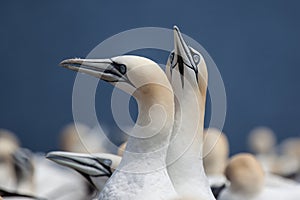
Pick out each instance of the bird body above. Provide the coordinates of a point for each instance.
(54, 182)
(8, 145)
(247, 181)
(215, 157)
(142, 173)
(290, 193)
(186, 70)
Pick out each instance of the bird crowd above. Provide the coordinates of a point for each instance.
(168, 154)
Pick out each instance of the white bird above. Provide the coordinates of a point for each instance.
(9, 143)
(142, 173)
(54, 182)
(262, 141)
(288, 163)
(187, 72)
(29, 175)
(24, 171)
(247, 181)
(215, 157)
(96, 168)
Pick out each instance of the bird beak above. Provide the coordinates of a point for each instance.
(99, 68)
(86, 164)
(181, 49)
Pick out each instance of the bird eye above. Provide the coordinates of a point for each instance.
(107, 162)
(122, 69)
(196, 58)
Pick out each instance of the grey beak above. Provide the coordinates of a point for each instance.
(181, 48)
(99, 68)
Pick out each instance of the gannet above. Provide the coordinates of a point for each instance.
(24, 171)
(262, 141)
(55, 182)
(288, 163)
(215, 157)
(187, 72)
(142, 173)
(96, 168)
(9, 143)
(247, 181)
(24, 174)
(24, 184)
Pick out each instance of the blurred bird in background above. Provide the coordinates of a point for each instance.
(215, 158)
(262, 143)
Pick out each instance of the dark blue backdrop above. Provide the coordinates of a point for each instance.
(254, 43)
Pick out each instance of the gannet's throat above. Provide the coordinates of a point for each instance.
(155, 117)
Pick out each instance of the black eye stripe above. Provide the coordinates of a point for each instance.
(120, 67)
(171, 57)
(180, 63)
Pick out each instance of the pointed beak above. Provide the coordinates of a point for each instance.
(86, 164)
(104, 69)
(181, 49)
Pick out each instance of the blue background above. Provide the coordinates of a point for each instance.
(255, 45)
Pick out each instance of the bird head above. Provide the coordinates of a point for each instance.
(186, 65)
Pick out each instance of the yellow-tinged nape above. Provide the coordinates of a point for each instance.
(122, 148)
(215, 151)
(138, 76)
(245, 174)
(152, 91)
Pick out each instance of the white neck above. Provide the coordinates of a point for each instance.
(185, 164)
(148, 143)
(144, 161)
